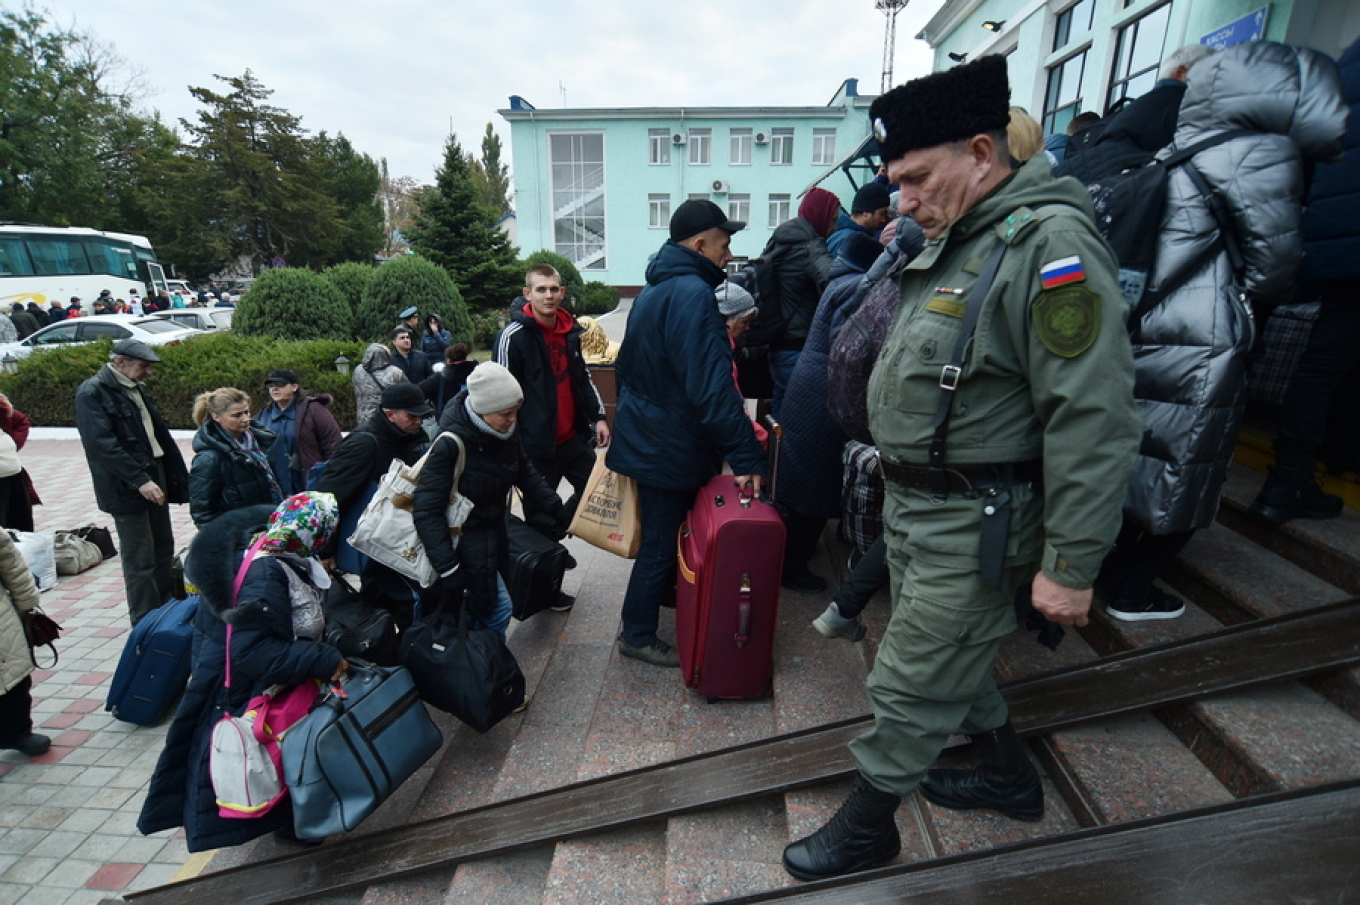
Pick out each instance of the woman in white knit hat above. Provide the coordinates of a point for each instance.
(484, 416)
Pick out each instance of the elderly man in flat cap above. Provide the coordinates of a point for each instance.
(136, 469)
(1002, 404)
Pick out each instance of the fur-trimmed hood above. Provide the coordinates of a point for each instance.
(215, 554)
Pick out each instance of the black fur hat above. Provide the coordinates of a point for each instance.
(942, 107)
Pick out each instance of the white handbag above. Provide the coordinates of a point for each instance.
(387, 530)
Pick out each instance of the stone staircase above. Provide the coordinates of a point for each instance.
(594, 714)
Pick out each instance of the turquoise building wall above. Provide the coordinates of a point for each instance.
(630, 178)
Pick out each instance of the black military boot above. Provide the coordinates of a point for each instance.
(1289, 494)
(1006, 781)
(862, 835)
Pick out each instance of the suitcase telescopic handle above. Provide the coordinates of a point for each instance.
(743, 611)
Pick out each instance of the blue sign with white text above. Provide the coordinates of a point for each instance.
(1251, 27)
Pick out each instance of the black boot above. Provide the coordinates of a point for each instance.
(1290, 494)
(862, 835)
(1006, 781)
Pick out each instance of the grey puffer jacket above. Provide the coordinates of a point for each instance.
(1190, 344)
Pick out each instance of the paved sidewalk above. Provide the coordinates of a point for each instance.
(68, 819)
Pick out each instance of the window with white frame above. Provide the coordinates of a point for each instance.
(742, 140)
(700, 146)
(659, 147)
(1073, 22)
(658, 211)
(1066, 80)
(781, 146)
(1138, 55)
(576, 166)
(823, 147)
(739, 208)
(779, 209)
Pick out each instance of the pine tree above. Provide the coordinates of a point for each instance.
(492, 176)
(455, 230)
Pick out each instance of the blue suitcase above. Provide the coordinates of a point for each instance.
(154, 667)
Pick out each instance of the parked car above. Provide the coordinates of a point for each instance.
(151, 330)
(209, 319)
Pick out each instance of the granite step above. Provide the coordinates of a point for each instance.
(1262, 739)
(1235, 579)
(1329, 548)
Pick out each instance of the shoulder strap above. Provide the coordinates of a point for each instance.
(950, 374)
(246, 560)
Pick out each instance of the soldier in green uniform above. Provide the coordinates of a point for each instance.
(1007, 428)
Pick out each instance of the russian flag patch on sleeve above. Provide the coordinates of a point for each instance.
(1061, 272)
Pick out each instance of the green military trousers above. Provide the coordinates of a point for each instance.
(933, 675)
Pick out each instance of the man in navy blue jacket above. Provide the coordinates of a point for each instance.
(678, 413)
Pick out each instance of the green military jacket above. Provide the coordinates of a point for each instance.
(1049, 372)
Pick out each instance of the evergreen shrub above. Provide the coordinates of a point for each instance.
(595, 299)
(292, 303)
(351, 279)
(405, 281)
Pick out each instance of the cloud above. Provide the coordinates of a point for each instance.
(395, 77)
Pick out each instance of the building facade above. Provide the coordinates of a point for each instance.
(1070, 56)
(598, 185)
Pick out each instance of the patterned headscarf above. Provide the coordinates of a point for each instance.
(302, 524)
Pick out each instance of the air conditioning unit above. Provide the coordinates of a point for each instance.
(720, 186)
(679, 138)
(762, 138)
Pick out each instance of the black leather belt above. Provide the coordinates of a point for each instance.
(962, 478)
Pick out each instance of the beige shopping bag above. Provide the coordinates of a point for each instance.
(607, 516)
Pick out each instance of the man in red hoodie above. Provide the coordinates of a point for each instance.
(562, 411)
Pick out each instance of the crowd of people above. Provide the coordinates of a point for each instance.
(1034, 437)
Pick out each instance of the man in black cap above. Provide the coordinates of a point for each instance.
(136, 469)
(393, 432)
(1002, 403)
(869, 213)
(677, 415)
(24, 321)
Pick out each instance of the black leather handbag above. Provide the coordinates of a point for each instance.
(467, 672)
(358, 629)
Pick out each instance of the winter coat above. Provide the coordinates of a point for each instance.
(493, 466)
(264, 652)
(434, 344)
(1191, 344)
(845, 225)
(359, 462)
(522, 349)
(117, 448)
(1331, 227)
(677, 415)
(24, 323)
(18, 594)
(440, 388)
(375, 374)
(803, 267)
(1131, 138)
(810, 452)
(222, 477)
(318, 434)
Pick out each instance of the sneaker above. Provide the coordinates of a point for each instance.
(30, 745)
(1294, 494)
(564, 603)
(1140, 607)
(804, 581)
(658, 653)
(832, 624)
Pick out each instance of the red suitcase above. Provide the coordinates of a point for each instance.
(727, 597)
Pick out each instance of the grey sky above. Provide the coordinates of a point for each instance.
(394, 77)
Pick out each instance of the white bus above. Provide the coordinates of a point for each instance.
(46, 263)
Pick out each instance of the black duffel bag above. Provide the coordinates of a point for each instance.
(468, 672)
(358, 629)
